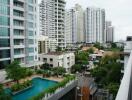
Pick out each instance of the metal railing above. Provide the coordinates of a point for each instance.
(125, 90)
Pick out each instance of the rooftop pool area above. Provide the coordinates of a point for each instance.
(39, 85)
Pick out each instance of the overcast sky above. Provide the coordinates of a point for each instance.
(117, 11)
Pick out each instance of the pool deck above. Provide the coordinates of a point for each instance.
(58, 79)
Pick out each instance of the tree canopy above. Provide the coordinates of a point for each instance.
(15, 71)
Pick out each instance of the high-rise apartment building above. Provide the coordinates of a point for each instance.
(109, 32)
(79, 22)
(52, 13)
(70, 27)
(94, 25)
(18, 32)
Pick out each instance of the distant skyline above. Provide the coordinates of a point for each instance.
(117, 11)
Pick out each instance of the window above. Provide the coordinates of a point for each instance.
(30, 1)
(4, 2)
(30, 50)
(4, 53)
(18, 32)
(4, 42)
(4, 63)
(4, 10)
(30, 8)
(51, 59)
(30, 58)
(44, 59)
(18, 13)
(30, 25)
(31, 41)
(18, 51)
(30, 33)
(4, 31)
(30, 16)
(4, 20)
(18, 23)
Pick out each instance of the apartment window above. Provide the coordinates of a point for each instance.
(51, 65)
(4, 2)
(4, 53)
(30, 25)
(30, 50)
(30, 58)
(51, 59)
(18, 32)
(4, 42)
(18, 51)
(4, 20)
(30, 1)
(30, 16)
(18, 42)
(30, 8)
(31, 41)
(30, 33)
(44, 59)
(4, 31)
(18, 23)
(18, 13)
(4, 10)
(4, 63)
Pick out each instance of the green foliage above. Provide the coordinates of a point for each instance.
(58, 49)
(15, 71)
(81, 56)
(90, 51)
(39, 71)
(46, 66)
(113, 45)
(21, 86)
(29, 72)
(75, 68)
(108, 73)
(3, 95)
(113, 88)
(54, 88)
(59, 71)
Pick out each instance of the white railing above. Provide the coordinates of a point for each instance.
(126, 81)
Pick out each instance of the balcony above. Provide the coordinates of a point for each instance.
(125, 90)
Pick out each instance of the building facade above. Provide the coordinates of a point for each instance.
(46, 45)
(94, 19)
(55, 59)
(79, 23)
(70, 27)
(109, 32)
(52, 13)
(18, 31)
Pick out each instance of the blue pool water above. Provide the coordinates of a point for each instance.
(39, 85)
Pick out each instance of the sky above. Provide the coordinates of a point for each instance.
(117, 11)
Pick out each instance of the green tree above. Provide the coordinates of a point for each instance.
(46, 66)
(76, 68)
(15, 71)
(113, 45)
(59, 70)
(97, 45)
(91, 50)
(58, 49)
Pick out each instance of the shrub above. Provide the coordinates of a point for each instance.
(18, 87)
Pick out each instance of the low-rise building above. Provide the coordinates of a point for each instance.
(46, 44)
(59, 59)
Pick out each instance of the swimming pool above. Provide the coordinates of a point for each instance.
(39, 85)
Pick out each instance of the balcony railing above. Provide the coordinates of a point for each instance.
(125, 90)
